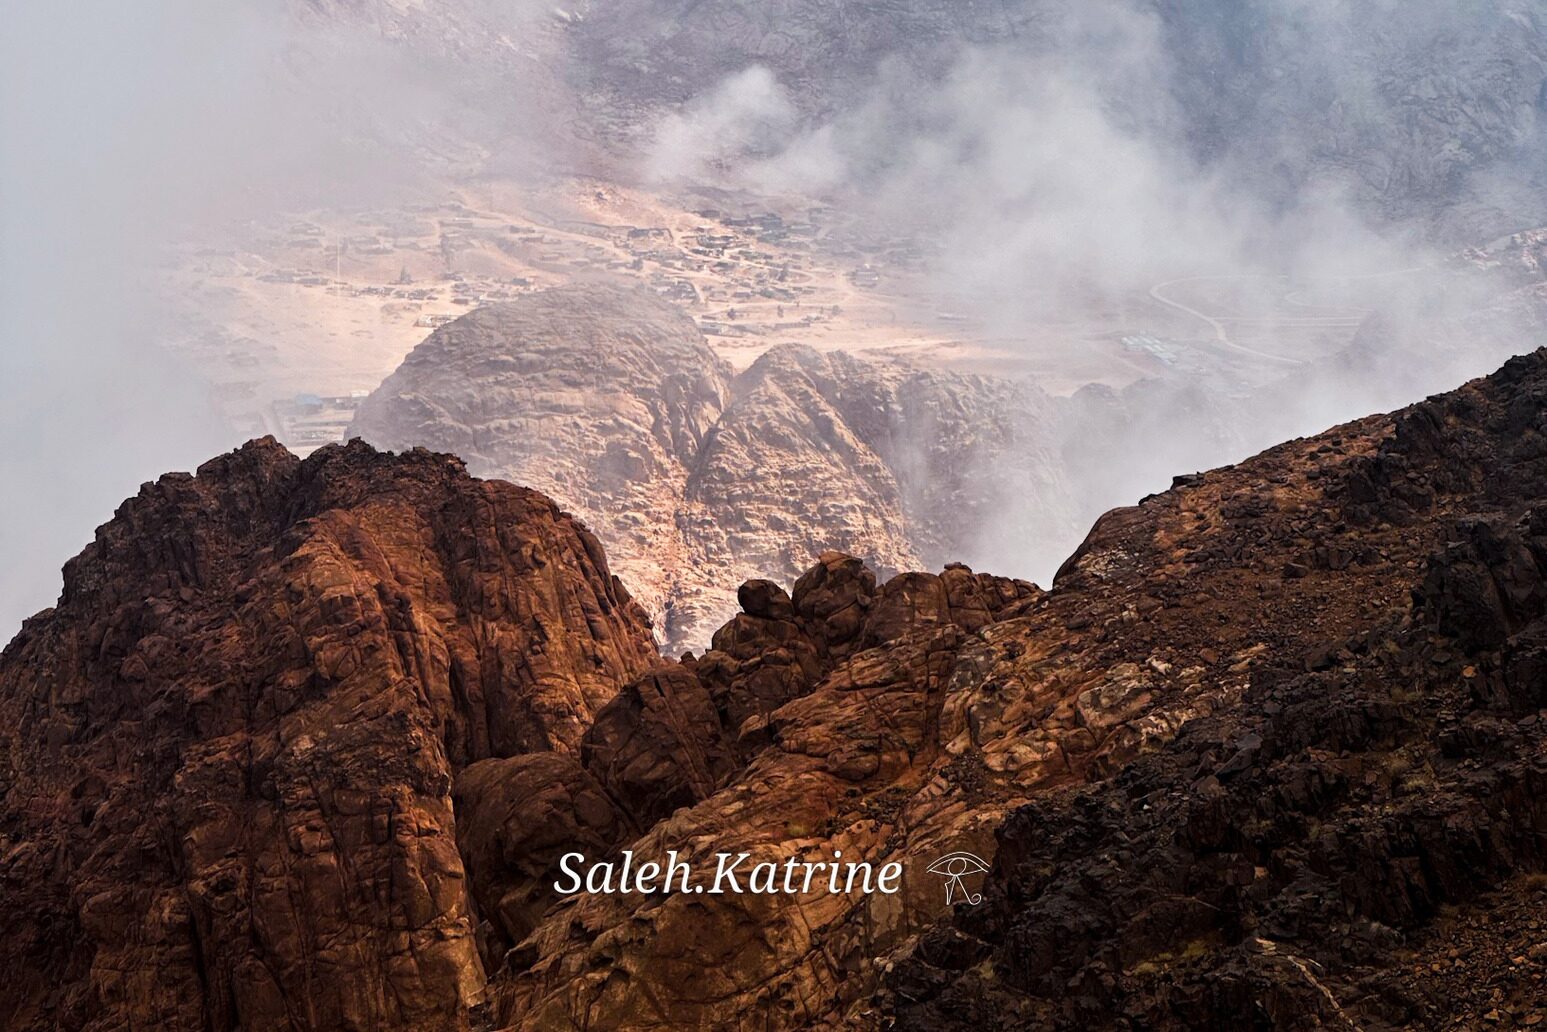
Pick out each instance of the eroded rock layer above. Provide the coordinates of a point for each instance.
(303, 743)
(228, 753)
(698, 479)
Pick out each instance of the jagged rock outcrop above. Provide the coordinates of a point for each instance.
(660, 744)
(303, 742)
(696, 480)
(227, 754)
(835, 754)
(1321, 802)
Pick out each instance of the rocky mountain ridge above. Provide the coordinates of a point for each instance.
(230, 746)
(698, 478)
(306, 739)
(1354, 842)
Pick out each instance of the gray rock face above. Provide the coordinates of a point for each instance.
(1409, 109)
(1416, 111)
(695, 479)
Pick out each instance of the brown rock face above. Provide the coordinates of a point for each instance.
(678, 755)
(516, 817)
(659, 744)
(304, 742)
(828, 703)
(1287, 722)
(696, 479)
(229, 751)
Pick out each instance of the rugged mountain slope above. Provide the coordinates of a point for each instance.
(784, 475)
(303, 742)
(830, 712)
(696, 479)
(1351, 836)
(1267, 729)
(1414, 110)
(228, 752)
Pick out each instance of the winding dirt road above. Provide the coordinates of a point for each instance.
(1220, 333)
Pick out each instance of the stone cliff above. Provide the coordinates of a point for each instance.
(228, 752)
(302, 744)
(1320, 801)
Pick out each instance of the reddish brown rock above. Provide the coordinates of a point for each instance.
(840, 753)
(516, 817)
(761, 659)
(229, 751)
(832, 599)
(659, 744)
(304, 742)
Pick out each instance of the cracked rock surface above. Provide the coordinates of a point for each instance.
(229, 751)
(302, 743)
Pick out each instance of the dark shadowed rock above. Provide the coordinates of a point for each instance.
(516, 818)
(659, 744)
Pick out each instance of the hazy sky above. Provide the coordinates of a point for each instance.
(125, 128)
(113, 117)
(1073, 171)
